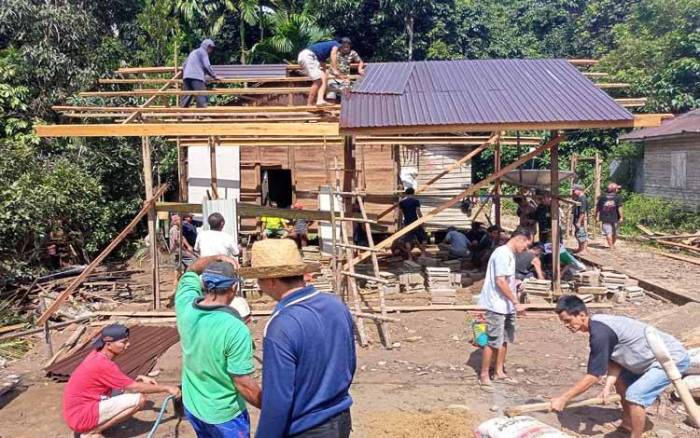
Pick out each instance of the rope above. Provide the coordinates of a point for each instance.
(152, 433)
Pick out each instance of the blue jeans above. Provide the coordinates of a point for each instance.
(644, 389)
(239, 427)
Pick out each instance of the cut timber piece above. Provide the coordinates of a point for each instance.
(73, 286)
(365, 277)
(180, 129)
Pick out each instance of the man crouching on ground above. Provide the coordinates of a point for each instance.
(619, 349)
(87, 406)
(217, 350)
(308, 349)
(498, 297)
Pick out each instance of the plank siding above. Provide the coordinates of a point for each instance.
(430, 161)
(660, 157)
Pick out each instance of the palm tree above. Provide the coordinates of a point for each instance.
(290, 34)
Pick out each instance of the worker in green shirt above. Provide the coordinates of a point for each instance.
(217, 350)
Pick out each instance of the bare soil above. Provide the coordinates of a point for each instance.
(425, 388)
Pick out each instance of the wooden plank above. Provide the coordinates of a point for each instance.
(609, 85)
(73, 286)
(210, 92)
(249, 210)
(584, 62)
(554, 212)
(241, 80)
(211, 109)
(203, 129)
(475, 308)
(468, 192)
(152, 98)
(41, 329)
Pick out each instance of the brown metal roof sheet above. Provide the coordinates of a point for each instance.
(688, 123)
(476, 92)
(235, 71)
(146, 344)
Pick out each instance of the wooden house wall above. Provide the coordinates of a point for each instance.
(663, 163)
(312, 167)
(430, 161)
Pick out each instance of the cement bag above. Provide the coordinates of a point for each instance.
(517, 427)
(409, 177)
(694, 369)
(693, 384)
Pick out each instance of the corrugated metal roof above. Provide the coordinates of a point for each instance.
(146, 344)
(685, 123)
(234, 71)
(476, 92)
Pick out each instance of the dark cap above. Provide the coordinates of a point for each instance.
(219, 276)
(345, 40)
(111, 333)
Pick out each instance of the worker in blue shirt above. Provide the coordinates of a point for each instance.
(194, 72)
(308, 349)
(310, 60)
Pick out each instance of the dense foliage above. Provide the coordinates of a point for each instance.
(90, 188)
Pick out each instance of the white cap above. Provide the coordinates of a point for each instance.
(240, 305)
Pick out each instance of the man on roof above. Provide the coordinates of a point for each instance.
(194, 72)
(345, 57)
(310, 60)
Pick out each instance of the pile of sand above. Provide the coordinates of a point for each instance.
(396, 424)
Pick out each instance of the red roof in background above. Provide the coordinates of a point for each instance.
(476, 92)
(683, 124)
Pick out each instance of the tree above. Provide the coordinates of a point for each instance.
(290, 34)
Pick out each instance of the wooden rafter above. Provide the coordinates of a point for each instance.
(153, 97)
(241, 80)
(210, 92)
(211, 109)
(319, 129)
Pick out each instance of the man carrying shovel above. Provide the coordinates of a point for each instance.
(619, 349)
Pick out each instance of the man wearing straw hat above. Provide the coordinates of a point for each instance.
(308, 349)
(217, 350)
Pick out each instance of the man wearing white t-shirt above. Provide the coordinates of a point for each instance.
(498, 297)
(214, 241)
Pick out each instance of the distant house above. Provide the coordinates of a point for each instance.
(672, 158)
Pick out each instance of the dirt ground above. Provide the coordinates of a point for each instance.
(427, 387)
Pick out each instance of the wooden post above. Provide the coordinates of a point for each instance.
(182, 171)
(152, 218)
(348, 175)
(212, 168)
(596, 191)
(47, 333)
(554, 210)
(497, 183)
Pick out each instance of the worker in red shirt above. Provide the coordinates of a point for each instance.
(88, 405)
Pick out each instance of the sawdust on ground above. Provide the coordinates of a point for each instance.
(397, 424)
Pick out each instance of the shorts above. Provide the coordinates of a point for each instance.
(309, 64)
(113, 406)
(610, 229)
(238, 427)
(417, 234)
(645, 389)
(581, 234)
(500, 328)
(276, 233)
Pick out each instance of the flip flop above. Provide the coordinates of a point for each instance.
(486, 386)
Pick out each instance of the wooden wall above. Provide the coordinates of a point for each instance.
(672, 169)
(312, 167)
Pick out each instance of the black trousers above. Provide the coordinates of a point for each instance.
(193, 85)
(338, 426)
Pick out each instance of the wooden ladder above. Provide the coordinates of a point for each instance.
(349, 274)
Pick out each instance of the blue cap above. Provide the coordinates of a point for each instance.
(111, 333)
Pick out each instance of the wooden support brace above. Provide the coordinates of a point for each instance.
(456, 199)
(73, 286)
(152, 98)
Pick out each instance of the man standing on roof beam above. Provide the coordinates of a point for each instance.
(310, 60)
(196, 66)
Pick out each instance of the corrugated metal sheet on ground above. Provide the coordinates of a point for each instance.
(685, 123)
(234, 71)
(476, 92)
(534, 177)
(146, 345)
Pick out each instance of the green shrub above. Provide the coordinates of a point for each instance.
(658, 214)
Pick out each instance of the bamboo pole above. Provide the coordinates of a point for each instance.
(554, 211)
(497, 184)
(212, 168)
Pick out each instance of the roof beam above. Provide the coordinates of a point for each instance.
(211, 109)
(583, 62)
(609, 85)
(211, 92)
(241, 80)
(319, 129)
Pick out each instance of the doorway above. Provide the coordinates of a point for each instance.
(276, 186)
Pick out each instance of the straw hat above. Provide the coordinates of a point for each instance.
(274, 258)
